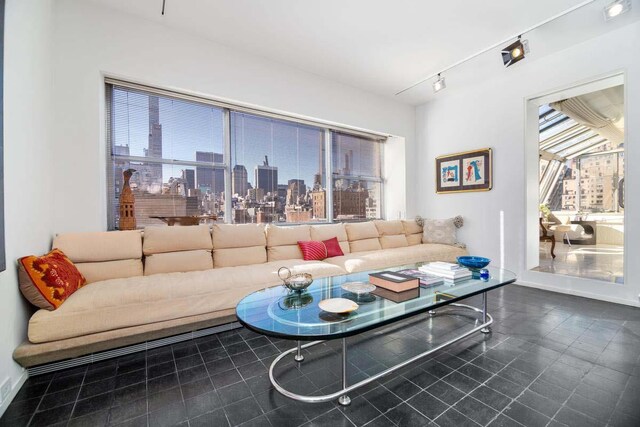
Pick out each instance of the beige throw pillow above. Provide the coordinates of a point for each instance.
(441, 231)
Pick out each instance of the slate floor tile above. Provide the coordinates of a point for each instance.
(242, 411)
(405, 415)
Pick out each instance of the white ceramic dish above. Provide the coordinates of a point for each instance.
(338, 305)
(359, 288)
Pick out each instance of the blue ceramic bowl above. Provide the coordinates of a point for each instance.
(473, 263)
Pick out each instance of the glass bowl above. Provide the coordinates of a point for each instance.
(473, 263)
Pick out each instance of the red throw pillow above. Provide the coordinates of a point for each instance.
(47, 281)
(333, 247)
(312, 250)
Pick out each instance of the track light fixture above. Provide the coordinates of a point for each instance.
(515, 52)
(439, 84)
(616, 8)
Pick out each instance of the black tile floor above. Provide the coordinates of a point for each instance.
(551, 360)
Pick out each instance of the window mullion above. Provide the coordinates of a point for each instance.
(328, 175)
(226, 135)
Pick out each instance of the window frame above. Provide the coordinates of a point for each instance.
(227, 108)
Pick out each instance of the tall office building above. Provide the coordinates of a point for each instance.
(150, 174)
(189, 176)
(208, 177)
(266, 177)
(239, 180)
(295, 189)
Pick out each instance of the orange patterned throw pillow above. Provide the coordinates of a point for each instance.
(47, 281)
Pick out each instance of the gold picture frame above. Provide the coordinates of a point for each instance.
(467, 171)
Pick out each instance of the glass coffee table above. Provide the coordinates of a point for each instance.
(278, 312)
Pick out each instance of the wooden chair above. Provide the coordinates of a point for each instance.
(546, 237)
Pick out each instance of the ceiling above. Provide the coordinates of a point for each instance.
(379, 46)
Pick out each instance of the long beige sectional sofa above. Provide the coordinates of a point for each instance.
(171, 280)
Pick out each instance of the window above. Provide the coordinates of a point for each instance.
(278, 170)
(175, 149)
(188, 156)
(357, 177)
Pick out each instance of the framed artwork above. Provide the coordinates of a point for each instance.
(466, 171)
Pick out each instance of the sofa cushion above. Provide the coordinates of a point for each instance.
(326, 232)
(282, 242)
(362, 261)
(439, 231)
(106, 270)
(361, 231)
(312, 250)
(123, 303)
(393, 241)
(161, 239)
(411, 227)
(233, 257)
(100, 246)
(414, 239)
(238, 244)
(363, 245)
(173, 262)
(49, 280)
(389, 228)
(333, 247)
(226, 236)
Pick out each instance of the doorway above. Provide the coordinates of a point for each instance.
(581, 167)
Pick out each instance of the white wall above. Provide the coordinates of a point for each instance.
(491, 113)
(28, 165)
(92, 41)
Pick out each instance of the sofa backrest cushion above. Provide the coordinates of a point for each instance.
(106, 270)
(328, 231)
(100, 246)
(181, 261)
(238, 244)
(391, 234)
(103, 255)
(363, 236)
(389, 228)
(162, 239)
(413, 231)
(282, 242)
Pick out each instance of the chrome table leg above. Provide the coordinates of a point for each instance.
(341, 394)
(344, 399)
(299, 357)
(486, 329)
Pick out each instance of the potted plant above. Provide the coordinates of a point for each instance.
(545, 212)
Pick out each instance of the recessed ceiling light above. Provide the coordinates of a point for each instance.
(616, 8)
(514, 52)
(439, 84)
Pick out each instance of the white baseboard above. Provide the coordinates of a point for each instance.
(14, 390)
(579, 293)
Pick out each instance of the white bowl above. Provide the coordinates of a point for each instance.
(338, 305)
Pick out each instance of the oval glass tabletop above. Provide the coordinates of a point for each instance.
(278, 312)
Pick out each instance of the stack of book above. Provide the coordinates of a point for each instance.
(426, 279)
(452, 273)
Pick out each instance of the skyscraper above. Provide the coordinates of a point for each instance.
(295, 189)
(208, 177)
(266, 177)
(190, 178)
(239, 180)
(150, 174)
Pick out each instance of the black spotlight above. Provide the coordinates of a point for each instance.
(515, 52)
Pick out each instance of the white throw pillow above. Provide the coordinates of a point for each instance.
(441, 231)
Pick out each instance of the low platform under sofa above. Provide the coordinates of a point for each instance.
(143, 286)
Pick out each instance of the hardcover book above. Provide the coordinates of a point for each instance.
(397, 296)
(394, 281)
